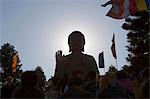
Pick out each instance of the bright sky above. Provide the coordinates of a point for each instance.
(38, 28)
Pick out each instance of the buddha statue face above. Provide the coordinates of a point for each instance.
(76, 42)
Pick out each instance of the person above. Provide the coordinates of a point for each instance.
(51, 90)
(109, 88)
(8, 88)
(75, 89)
(76, 59)
(142, 88)
(28, 87)
(63, 83)
(123, 81)
(90, 84)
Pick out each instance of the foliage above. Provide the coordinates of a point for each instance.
(41, 77)
(7, 52)
(112, 69)
(138, 40)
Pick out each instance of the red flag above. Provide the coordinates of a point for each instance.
(113, 49)
(118, 11)
(14, 62)
(123, 8)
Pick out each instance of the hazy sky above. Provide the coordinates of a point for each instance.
(38, 28)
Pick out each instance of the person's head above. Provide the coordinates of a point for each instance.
(9, 80)
(77, 77)
(121, 75)
(107, 80)
(76, 41)
(111, 77)
(29, 78)
(78, 73)
(103, 83)
(143, 75)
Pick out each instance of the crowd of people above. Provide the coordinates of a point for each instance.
(116, 84)
(76, 76)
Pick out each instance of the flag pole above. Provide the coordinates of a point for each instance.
(104, 70)
(116, 64)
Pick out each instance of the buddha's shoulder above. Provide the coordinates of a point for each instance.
(85, 56)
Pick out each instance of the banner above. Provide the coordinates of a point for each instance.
(101, 60)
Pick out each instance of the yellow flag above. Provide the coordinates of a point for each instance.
(14, 62)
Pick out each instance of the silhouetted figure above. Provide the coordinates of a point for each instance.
(75, 89)
(8, 88)
(142, 90)
(90, 84)
(123, 81)
(109, 88)
(28, 87)
(63, 83)
(76, 59)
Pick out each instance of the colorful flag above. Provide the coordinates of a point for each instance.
(14, 62)
(123, 8)
(113, 48)
(101, 60)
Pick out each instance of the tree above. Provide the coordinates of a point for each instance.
(41, 78)
(138, 39)
(7, 53)
(112, 69)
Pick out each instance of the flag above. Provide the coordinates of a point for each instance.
(113, 49)
(14, 62)
(123, 8)
(101, 60)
